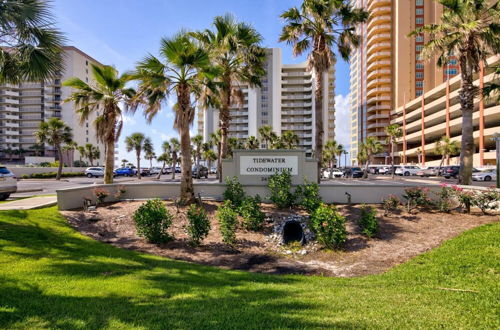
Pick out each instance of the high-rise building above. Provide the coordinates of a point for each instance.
(24, 106)
(285, 101)
(387, 70)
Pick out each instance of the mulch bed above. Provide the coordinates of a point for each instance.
(401, 237)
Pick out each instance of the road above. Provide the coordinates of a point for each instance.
(33, 187)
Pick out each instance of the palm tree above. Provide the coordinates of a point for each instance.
(209, 156)
(215, 139)
(233, 144)
(317, 27)
(81, 154)
(149, 152)
(252, 143)
(446, 148)
(69, 148)
(234, 48)
(419, 155)
(124, 162)
(55, 133)
(362, 156)
(175, 147)
(30, 45)
(198, 143)
(165, 158)
(267, 135)
(394, 132)
(38, 148)
(371, 147)
(339, 150)
(136, 142)
(92, 153)
(103, 98)
(329, 154)
(468, 30)
(290, 139)
(184, 70)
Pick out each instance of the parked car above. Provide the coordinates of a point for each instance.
(125, 171)
(213, 170)
(167, 170)
(357, 172)
(94, 172)
(178, 169)
(429, 171)
(486, 175)
(200, 171)
(145, 172)
(407, 170)
(154, 170)
(334, 173)
(450, 172)
(8, 183)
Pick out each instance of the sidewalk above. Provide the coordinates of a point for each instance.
(29, 203)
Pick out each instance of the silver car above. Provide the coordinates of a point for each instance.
(94, 172)
(8, 183)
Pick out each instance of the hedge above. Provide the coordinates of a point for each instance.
(50, 175)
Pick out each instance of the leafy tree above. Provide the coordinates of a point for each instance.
(446, 148)
(30, 44)
(394, 132)
(252, 143)
(316, 27)
(210, 157)
(136, 142)
(55, 133)
(267, 135)
(470, 31)
(330, 154)
(102, 97)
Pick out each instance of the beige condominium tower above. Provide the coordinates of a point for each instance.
(285, 101)
(24, 106)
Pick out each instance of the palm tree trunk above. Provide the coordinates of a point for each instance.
(138, 155)
(219, 163)
(466, 95)
(441, 164)
(60, 166)
(187, 189)
(392, 158)
(318, 109)
(110, 161)
(365, 174)
(174, 165)
(161, 171)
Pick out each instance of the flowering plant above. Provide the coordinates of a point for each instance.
(415, 197)
(100, 194)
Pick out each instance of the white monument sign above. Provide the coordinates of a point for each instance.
(268, 164)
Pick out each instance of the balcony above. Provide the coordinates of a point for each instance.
(29, 125)
(32, 94)
(37, 109)
(379, 73)
(372, 4)
(376, 134)
(30, 85)
(296, 89)
(11, 140)
(379, 99)
(379, 90)
(379, 107)
(9, 93)
(296, 97)
(8, 101)
(379, 29)
(295, 104)
(378, 20)
(378, 82)
(377, 38)
(239, 121)
(379, 55)
(378, 65)
(9, 117)
(296, 81)
(381, 45)
(296, 73)
(11, 124)
(29, 101)
(378, 125)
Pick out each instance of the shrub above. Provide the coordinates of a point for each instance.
(228, 220)
(391, 203)
(486, 200)
(199, 224)
(308, 196)
(253, 217)
(234, 191)
(329, 226)
(280, 185)
(415, 197)
(445, 197)
(152, 220)
(25, 176)
(368, 222)
(464, 198)
(120, 190)
(100, 194)
(49, 175)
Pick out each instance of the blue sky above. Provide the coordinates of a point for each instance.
(121, 32)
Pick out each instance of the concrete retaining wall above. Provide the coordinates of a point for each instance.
(330, 193)
(19, 171)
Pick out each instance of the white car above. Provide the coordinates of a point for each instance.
(335, 173)
(486, 175)
(407, 170)
(94, 172)
(154, 170)
(8, 183)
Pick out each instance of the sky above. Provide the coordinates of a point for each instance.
(121, 32)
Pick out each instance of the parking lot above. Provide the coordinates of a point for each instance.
(401, 180)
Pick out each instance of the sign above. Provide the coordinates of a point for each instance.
(268, 164)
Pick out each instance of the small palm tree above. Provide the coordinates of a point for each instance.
(149, 151)
(329, 154)
(81, 154)
(267, 135)
(446, 148)
(55, 133)
(233, 144)
(371, 147)
(92, 153)
(30, 44)
(252, 143)
(234, 48)
(124, 162)
(165, 158)
(136, 142)
(198, 143)
(290, 139)
(316, 27)
(210, 157)
(394, 132)
(184, 70)
(339, 150)
(175, 147)
(215, 139)
(103, 97)
(468, 30)
(69, 148)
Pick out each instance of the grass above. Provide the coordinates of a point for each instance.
(53, 277)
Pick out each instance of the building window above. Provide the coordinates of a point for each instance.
(264, 113)
(86, 124)
(419, 84)
(451, 72)
(419, 3)
(419, 65)
(419, 75)
(420, 20)
(264, 121)
(420, 38)
(419, 48)
(419, 93)
(419, 11)
(86, 62)
(264, 105)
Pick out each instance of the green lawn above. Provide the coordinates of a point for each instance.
(53, 277)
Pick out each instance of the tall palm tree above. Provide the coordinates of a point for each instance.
(267, 135)
(445, 147)
(469, 30)
(290, 139)
(371, 147)
(198, 143)
(339, 150)
(55, 133)
(329, 154)
(102, 97)
(165, 158)
(81, 154)
(136, 142)
(184, 69)
(316, 27)
(210, 157)
(252, 143)
(215, 139)
(149, 151)
(394, 132)
(234, 48)
(30, 44)
(92, 153)
(175, 147)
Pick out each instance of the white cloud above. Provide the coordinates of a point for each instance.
(342, 120)
(129, 120)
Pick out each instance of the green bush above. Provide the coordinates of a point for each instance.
(445, 198)
(391, 203)
(308, 196)
(25, 176)
(368, 222)
(253, 217)
(234, 191)
(280, 185)
(329, 226)
(50, 175)
(415, 197)
(228, 221)
(199, 224)
(152, 220)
